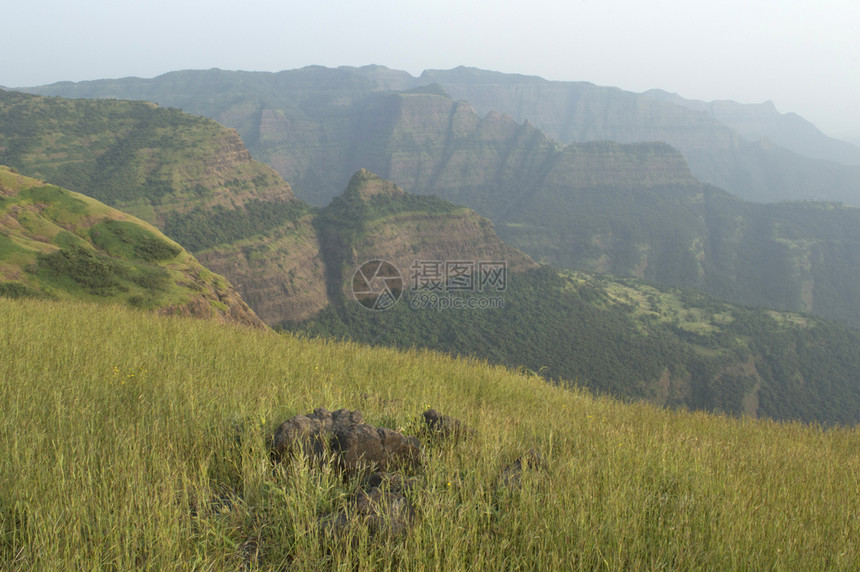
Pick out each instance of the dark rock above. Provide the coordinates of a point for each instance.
(364, 448)
(512, 475)
(311, 433)
(445, 427)
(357, 446)
(346, 417)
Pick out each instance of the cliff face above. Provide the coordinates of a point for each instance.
(376, 220)
(281, 275)
(407, 235)
(607, 164)
(721, 141)
(188, 176)
(316, 110)
(763, 121)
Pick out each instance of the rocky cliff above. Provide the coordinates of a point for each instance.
(187, 175)
(402, 229)
(628, 209)
(304, 123)
(721, 142)
(281, 275)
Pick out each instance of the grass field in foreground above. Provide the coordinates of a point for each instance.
(129, 441)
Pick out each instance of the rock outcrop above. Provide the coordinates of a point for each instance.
(357, 448)
(384, 462)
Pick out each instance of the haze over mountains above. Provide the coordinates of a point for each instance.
(630, 210)
(365, 318)
(373, 155)
(748, 150)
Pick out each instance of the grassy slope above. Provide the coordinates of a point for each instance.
(117, 428)
(55, 243)
(189, 176)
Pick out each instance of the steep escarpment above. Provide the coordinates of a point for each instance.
(294, 272)
(721, 144)
(375, 219)
(187, 175)
(281, 275)
(309, 110)
(628, 209)
(762, 121)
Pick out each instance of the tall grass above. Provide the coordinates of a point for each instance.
(129, 441)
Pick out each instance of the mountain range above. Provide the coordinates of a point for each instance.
(293, 263)
(559, 439)
(626, 209)
(751, 151)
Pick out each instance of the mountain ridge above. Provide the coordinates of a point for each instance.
(577, 206)
(695, 352)
(188, 175)
(758, 121)
(569, 112)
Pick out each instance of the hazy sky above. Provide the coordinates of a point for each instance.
(804, 56)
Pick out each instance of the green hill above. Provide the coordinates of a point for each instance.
(152, 162)
(189, 176)
(63, 245)
(630, 210)
(132, 441)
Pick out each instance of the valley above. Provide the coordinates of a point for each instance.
(353, 318)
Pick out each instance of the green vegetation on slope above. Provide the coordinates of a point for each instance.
(189, 176)
(130, 441)
(628, 339)
(200, 229)
(790, 256)
(629, 210)
(625, 338)
(59, 244)
(137, 157)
